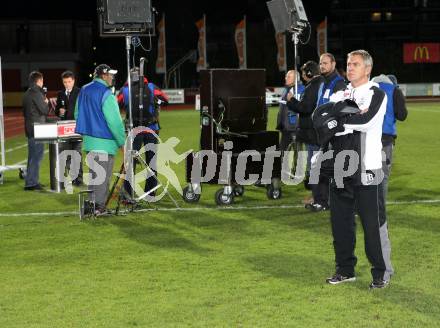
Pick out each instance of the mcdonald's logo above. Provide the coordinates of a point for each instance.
(421, 53)
(415, 53)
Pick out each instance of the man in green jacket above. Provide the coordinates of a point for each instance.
(99, 122)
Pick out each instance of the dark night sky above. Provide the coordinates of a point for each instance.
(180, 28)
(218, 11)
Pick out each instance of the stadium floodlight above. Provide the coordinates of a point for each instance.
(288, 15)
(125, 17)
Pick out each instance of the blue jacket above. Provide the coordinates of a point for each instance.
(286, 119)
(151, 108)
(91, 120)
(327, 89)
(389, 121)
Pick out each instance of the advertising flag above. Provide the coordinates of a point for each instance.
(321, 37)
(281, 55)
(201, 44)
(240, 42)
(161, 61)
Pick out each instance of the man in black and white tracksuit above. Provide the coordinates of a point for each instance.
(360, 192)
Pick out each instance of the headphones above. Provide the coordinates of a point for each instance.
(308, 73)
(309, 69)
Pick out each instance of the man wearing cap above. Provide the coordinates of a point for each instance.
(99, 122)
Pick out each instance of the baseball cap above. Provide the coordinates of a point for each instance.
(104, 69)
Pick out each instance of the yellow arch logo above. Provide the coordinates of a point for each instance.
(421, 53)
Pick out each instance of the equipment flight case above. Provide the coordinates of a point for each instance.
(233, 122)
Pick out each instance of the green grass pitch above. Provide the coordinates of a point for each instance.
(256, 264)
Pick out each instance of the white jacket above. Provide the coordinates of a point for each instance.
(369, 123)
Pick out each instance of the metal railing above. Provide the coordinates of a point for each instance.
(175, 69)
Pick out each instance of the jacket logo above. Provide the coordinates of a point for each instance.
(332, 124)
(421, 53)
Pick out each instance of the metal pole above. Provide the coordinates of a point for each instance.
(141, 90)
(130, 173)
(295, 47)
(128, 47)
(2, 126)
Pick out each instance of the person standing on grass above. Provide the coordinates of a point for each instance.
(396, 110)
(287, 120)
(65, 110)
(145, 113)
(99, 122)
(35, 110)
(361, 192)
(306, 133)
(333, 83)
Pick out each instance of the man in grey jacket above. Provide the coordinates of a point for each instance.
(35, 110)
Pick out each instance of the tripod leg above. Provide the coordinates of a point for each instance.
(154, 175)
(112, 189)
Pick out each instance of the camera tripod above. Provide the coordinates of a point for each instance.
(131, 201)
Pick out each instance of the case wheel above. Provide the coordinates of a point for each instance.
(189, 195)
(223, 199)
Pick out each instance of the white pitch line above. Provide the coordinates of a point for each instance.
(221, 208)
(15, 148)
(25, 160)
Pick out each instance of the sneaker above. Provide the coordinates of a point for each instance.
(315, 207)
(100, 211)
(77, 182)
(379, 283)
(128, 201)
(339, 278)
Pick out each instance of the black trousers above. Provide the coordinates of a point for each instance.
(77, 146)
(368, 202)
(287, 137)
(143, 139)
(320, 191)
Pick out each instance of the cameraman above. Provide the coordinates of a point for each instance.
(100, 124)
(306, 133)
(152, 97)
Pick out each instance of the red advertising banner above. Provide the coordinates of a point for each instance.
(421, 53)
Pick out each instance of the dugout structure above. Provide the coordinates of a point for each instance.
(233, 125)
